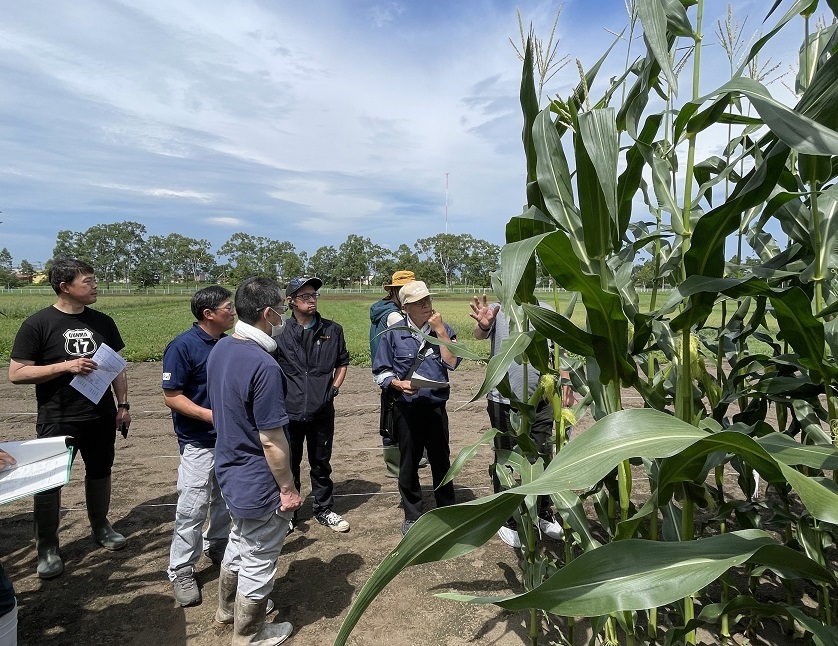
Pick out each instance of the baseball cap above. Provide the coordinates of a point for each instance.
(401, 278)
(296, 284)
(413, 291)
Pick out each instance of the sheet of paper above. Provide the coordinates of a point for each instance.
(94, 385)
(32, 474)
(418, 381)
(27, 451)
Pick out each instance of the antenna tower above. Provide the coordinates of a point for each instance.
(446, 202)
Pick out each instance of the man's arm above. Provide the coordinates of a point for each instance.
(120, 389)
(278, 454)
(180, 403)
(24, 371)
(340, 375)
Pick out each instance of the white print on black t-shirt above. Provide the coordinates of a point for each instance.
(79, 343)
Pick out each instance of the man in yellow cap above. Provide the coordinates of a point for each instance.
(383, 314)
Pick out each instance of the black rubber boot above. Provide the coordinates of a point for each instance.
(47, 506)
(391, 459)
(98, 496)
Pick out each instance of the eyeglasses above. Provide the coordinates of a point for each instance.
(278, 310)
(229, 307)
(307, 297)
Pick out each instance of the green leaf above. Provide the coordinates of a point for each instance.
(798, 131)
(597, 225)
(561, 330)
(604, 308)
(554, 175)
(793, 11)
(634, 575)
(569, 507)
(466, 453)
(440, 534)
(512, 346)
(629, 181)
(529, 106)
(457, 349)
(653, 18)
(788, 451)
(598, 132)
(626, 434)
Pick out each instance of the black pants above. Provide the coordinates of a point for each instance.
(94, 439)
(318, 436)
(385, 423)
(421, 427)
(541, 431)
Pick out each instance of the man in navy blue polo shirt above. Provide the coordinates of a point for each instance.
(185, 392)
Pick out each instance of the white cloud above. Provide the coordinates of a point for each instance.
(227, 222)
(307, 121)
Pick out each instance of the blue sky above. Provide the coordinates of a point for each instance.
(299, 121)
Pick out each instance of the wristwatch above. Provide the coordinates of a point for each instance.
(126, 406)
(335, 391)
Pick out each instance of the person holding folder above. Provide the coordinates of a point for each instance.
(403, 359)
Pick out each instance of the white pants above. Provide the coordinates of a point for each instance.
(254, 547)
(8, 628)
(198, 497)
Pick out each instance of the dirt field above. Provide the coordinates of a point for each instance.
(125, 597)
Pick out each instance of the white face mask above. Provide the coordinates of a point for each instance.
(276, 330)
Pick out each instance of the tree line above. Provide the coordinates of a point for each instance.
(122, 252)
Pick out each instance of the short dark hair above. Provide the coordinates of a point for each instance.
(254, 295)
(208, 298)
(65, 270)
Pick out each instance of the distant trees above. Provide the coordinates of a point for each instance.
(7, 274)
(26, 270)
(122, 252)
(323, 264)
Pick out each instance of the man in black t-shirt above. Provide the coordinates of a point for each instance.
(51, 347)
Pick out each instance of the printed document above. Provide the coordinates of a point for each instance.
(418, 381)
(94, 385)
(41, 465)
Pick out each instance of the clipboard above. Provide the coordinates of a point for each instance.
(42, 464)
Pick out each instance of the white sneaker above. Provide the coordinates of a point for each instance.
(333, 521)
(550, 527)
(509, 536)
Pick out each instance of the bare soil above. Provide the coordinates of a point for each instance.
(125, 597)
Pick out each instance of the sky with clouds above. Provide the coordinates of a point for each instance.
(299, 121)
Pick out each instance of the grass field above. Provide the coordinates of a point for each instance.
(149, 322)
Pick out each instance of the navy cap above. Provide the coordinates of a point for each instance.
(296, 284)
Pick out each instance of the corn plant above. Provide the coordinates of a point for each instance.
(639, 568)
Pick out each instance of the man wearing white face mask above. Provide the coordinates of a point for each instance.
(314, 358)
(246, 391)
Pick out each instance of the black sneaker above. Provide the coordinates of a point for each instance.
(216, 553)
(187, 592)
(333, 521)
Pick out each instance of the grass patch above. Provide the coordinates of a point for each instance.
(148, 322)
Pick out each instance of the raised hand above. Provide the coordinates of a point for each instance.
(482, 312)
